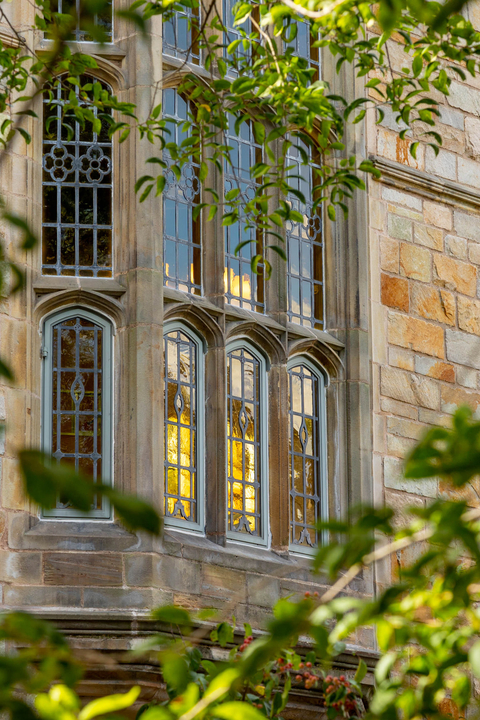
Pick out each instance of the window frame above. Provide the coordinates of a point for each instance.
(323, 382)
(263, 539)
(108, 329)
(197, 527)
(77, 28)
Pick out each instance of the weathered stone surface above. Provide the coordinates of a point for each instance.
(377, 214)
(262, 590)
(467, 377)
(394, 292)
(399, 227)
(399, 446)
(416, 334)
(468, 171)
(398, 408)
(452, 117)
(474, 252)
(435, 369)
(405, 428)
(401, 198)
(468, 315)
(144, 598)
(438, 215)
(20, 568)
(400, 358)
(443, 164)
(472, 137)
(389, 255)
(41, 596)
(415, 262)
(393, 478)
(178, 574)
(465, 98)
(434, 418)
(467, 226)
(223, 582)
(82, 569)
(409, 388)
(456, 246)
(463, 348)
(433, 304)
(428, 236)
(454, 397)
(455, 275)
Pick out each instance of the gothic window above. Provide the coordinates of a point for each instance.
(77, 192)
(246, 446)
(182, 250)
(77, 398)
(304, 244)
(306, 454)
(180, 35)
(102, 19)
(183, 429)
(243, 287)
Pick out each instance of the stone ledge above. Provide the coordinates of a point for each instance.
(429, 186)
(321, 335)
(46, 284)
(106, 50)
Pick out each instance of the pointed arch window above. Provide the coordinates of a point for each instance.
(77, 191)
(307, 454)
(77, 399)
(184, 442)
(247, 503)
(181, 230)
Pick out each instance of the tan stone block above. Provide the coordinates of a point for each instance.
(415, 262)
(472, 137)
(400, 358)
(433, 304)
(399, 446)
(443, 164)
(468, 377)
(435, 369)
(402, 503)
(429, 236)
(468, 315)
(399, 227)
(468, 172)
(13, 495)
(456, 246)
(398, 197)
(398, 408)
(394, 292)
(389, 255)
(405, 212)
(438, 215)
(14, 347)
(434, 418)
(405, 428)
(469, 493)
(453, 397)
(455, 275)
(416, 334)
(409, 388)
(474, 252)
(393, 477)
(377, 214)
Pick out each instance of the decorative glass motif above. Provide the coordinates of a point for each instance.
(180, 360)
(304, 456)
(243, 442)
(181, 233)
(304, 246)
(103, 19)
(180, 35)
(77, 193)
(77, 390)
(243, 287)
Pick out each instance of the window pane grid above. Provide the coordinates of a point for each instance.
(181, 233)
(77, 398)
(232, 33)
(179, 35)
(304, 457)
(303, 46)
(77, 195)
(243, 443)
(103, 19)
(180, 427)
(304, 248)
(243, 287)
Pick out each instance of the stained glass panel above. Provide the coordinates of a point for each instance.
(77, 194)
(305, 456)
(180, 362)
(243, 442)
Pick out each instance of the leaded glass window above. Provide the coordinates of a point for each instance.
(245, 474)
(77, 399)
(181, 232)
(235, 32)
(304, 244)
(102, 19)
(303, 46)
(182, 492)
(180, 35)
(77, 192)
(306, 461)
(243, 287)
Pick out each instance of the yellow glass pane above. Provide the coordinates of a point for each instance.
(237, 496)
(172, 481)
(185, 483)
(171, 393)
(250, 428)
(170, 505)
(185, 456)
(172, 440)
(237, 460)
(185, 416)
(299, 509)
(249, 463)
(236, 378)
(298, 473)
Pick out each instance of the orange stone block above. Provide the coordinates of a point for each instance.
(433, 304)
(456, 275)
(395, 292)
(416, 334)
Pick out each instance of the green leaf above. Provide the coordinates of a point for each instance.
(236, 710)
(172, 615)
(109, 704)
(5, 371)
(474, 659)
(361, 671)
(134, 512)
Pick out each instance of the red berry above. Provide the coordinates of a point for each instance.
(342, 678)
(307, 594)
(298, 678)
(308, 664)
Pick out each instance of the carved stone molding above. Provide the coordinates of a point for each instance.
(431, 187)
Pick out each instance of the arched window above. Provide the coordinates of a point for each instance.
(307, 453)
(77, 192)
(102, 19)
(247, 504)
(243, 287)
(304, 243)
(184, 441)
(181, 232)
(77, 398)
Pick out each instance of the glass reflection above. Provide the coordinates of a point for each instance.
(180, 358)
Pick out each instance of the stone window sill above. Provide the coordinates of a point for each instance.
(46, 284)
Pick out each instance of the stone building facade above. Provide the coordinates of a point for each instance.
(396, 349)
